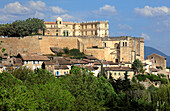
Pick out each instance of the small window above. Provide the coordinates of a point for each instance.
(56, 30)
(38, 62)
(56, 34)
(155, 61)
(92, 26)
(27, 62)
(119, 74)
(33, 62)
(65, 72)
(115, 74)
(123, 43)
(104, 44)
(60, 22)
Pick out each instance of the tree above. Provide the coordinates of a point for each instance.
(137, 66)
(20, 28)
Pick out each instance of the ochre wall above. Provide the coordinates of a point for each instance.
(33, 44)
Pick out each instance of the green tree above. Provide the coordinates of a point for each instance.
(137, 66)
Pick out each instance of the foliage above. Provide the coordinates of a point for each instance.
(137, 66)
(66, 50)
(20, 28)
(24, 89)
(73, 53)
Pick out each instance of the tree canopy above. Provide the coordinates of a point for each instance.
(24, 89)
(20, 28)
(137, 66)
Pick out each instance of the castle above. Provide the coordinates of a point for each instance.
(89, 29)
(116, 49)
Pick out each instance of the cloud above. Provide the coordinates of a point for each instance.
(65, 17)
(38, 5)
(106, 10)
(145, 36)
(15, 8)
(39, 15)
(124, 27)
(6, 18)
(58, 10)
(152, 11)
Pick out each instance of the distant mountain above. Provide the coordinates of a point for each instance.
(150, 50)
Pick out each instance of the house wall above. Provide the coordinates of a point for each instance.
(61, 71)
(120, 74)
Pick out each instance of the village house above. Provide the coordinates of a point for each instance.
(157, 61)
(31, 60)
(119, 72)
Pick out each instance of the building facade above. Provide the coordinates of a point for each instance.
(89, 29)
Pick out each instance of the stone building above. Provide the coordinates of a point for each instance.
(117, 49)
(90, 29)
(157, 61)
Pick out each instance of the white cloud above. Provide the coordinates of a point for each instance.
(39, 15)
(7, 18)
(152, 11)
(145, 36)
(58, 10)
(64, 17)
(15, 8)
(106, 10)
(38, 5)
(124, 27)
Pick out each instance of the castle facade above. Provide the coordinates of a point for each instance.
(69, 29)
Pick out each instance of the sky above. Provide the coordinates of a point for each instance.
(149, 19)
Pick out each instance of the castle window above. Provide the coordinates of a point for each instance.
(92, 26)
(115, 74)
(56, 34)
(119, 74)
(60, 22)
(155, 61)
(125, 43)
(105, 25)
(56, 30)
(104, 44)
(91, 32)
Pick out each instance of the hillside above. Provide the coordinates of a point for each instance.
(149, 50)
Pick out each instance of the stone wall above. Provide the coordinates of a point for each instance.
(109, 49)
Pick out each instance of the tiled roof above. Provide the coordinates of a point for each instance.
(90, 57)
(91, 68)
(49, 62)
(87, 60)
(61, 67)
(156, 55)
(62, 61)
(118, 69)
(33, 56)
(109, 62)
(49, 22)
(97, 63)
(77, 61)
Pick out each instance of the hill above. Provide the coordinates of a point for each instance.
(149, 50)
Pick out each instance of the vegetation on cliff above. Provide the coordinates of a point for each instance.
(20, 28)
(24, 89)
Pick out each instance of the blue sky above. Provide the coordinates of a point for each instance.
(138, 18)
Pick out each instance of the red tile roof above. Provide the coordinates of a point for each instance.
(33, 56)
(118, 69)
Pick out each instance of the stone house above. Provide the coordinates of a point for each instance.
(118, 72)
(158, 61)
(31, 60)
